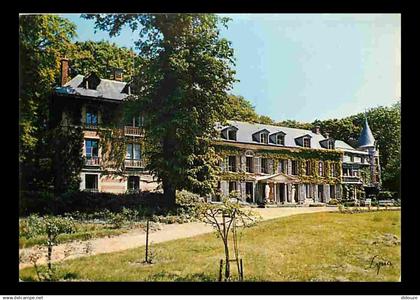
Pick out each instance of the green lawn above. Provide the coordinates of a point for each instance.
(308, 247)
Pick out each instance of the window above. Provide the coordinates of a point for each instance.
(232, 186)
(308, 191)
(321, 169)
(232, 135)
(281, 166)
(294, 167)
(306, 142)
(332, 191)
(264, 165)
(352, 158)
(330, 144)
(280, 139)
(332, 170)
(91, 182)
(249, 191)
(91, 117)
(133, 183)
(308, 168)
(91, 148)
(249, 164)
(232, 164)
(133, 152)
(136, 122)
(264, 138)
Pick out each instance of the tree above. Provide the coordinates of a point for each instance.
(225, 218)
(51, 228)
(43, 41)
(181, 89)
(102, 57)
(385, 123)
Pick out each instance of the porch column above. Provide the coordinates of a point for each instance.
(254, 191)
(274, 192)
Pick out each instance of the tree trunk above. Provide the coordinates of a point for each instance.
(146, 259)
(169, 193)
(227, 267)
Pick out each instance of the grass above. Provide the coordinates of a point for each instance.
(307, 247)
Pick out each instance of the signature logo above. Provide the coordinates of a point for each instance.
(378, 263)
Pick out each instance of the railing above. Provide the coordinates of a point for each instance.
(131, 163)
(134, 131)
(90, 125)
(352, 179)
(93, 161)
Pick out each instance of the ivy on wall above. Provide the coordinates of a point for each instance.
(283, 153)
(113, 143)
(302, 156)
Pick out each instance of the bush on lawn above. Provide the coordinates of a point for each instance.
(385, 195)
(333, 202)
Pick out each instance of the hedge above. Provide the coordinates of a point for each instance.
(88, 202)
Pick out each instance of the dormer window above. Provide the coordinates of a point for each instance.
(280, 139)
(307, 142)
(231, 135)
(264, 138)
(90, 82)
(330, 144)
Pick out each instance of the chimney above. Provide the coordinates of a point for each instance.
(316, 130)
(327, 135)
(64, 68)
(118, 74)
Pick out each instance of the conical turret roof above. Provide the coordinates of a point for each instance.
(366, 138)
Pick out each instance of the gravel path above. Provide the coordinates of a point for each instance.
(136, 237)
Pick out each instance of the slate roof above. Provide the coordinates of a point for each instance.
(341, 145)
(246, 130)
(107, 89)
(366, 138)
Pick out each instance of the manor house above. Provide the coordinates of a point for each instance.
(260, 162)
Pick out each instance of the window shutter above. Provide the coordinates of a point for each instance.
(136, 151)
(243, 190)
(224, 186)
(257, 161)
(129, 151)
(223, 165)
(289, 167)
(270, 166)
(238, 163)
(243, 163)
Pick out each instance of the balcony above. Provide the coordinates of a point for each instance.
(133, 131)
(92, 161)
(131, 163)
(90, 126)
(351, 179)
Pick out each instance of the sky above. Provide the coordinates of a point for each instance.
(305, 66)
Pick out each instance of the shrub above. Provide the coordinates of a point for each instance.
(187, 199)
(333, 202)
(384, 195)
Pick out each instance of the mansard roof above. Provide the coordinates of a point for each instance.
(106, 89)
(366, 138)
(247, 130)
